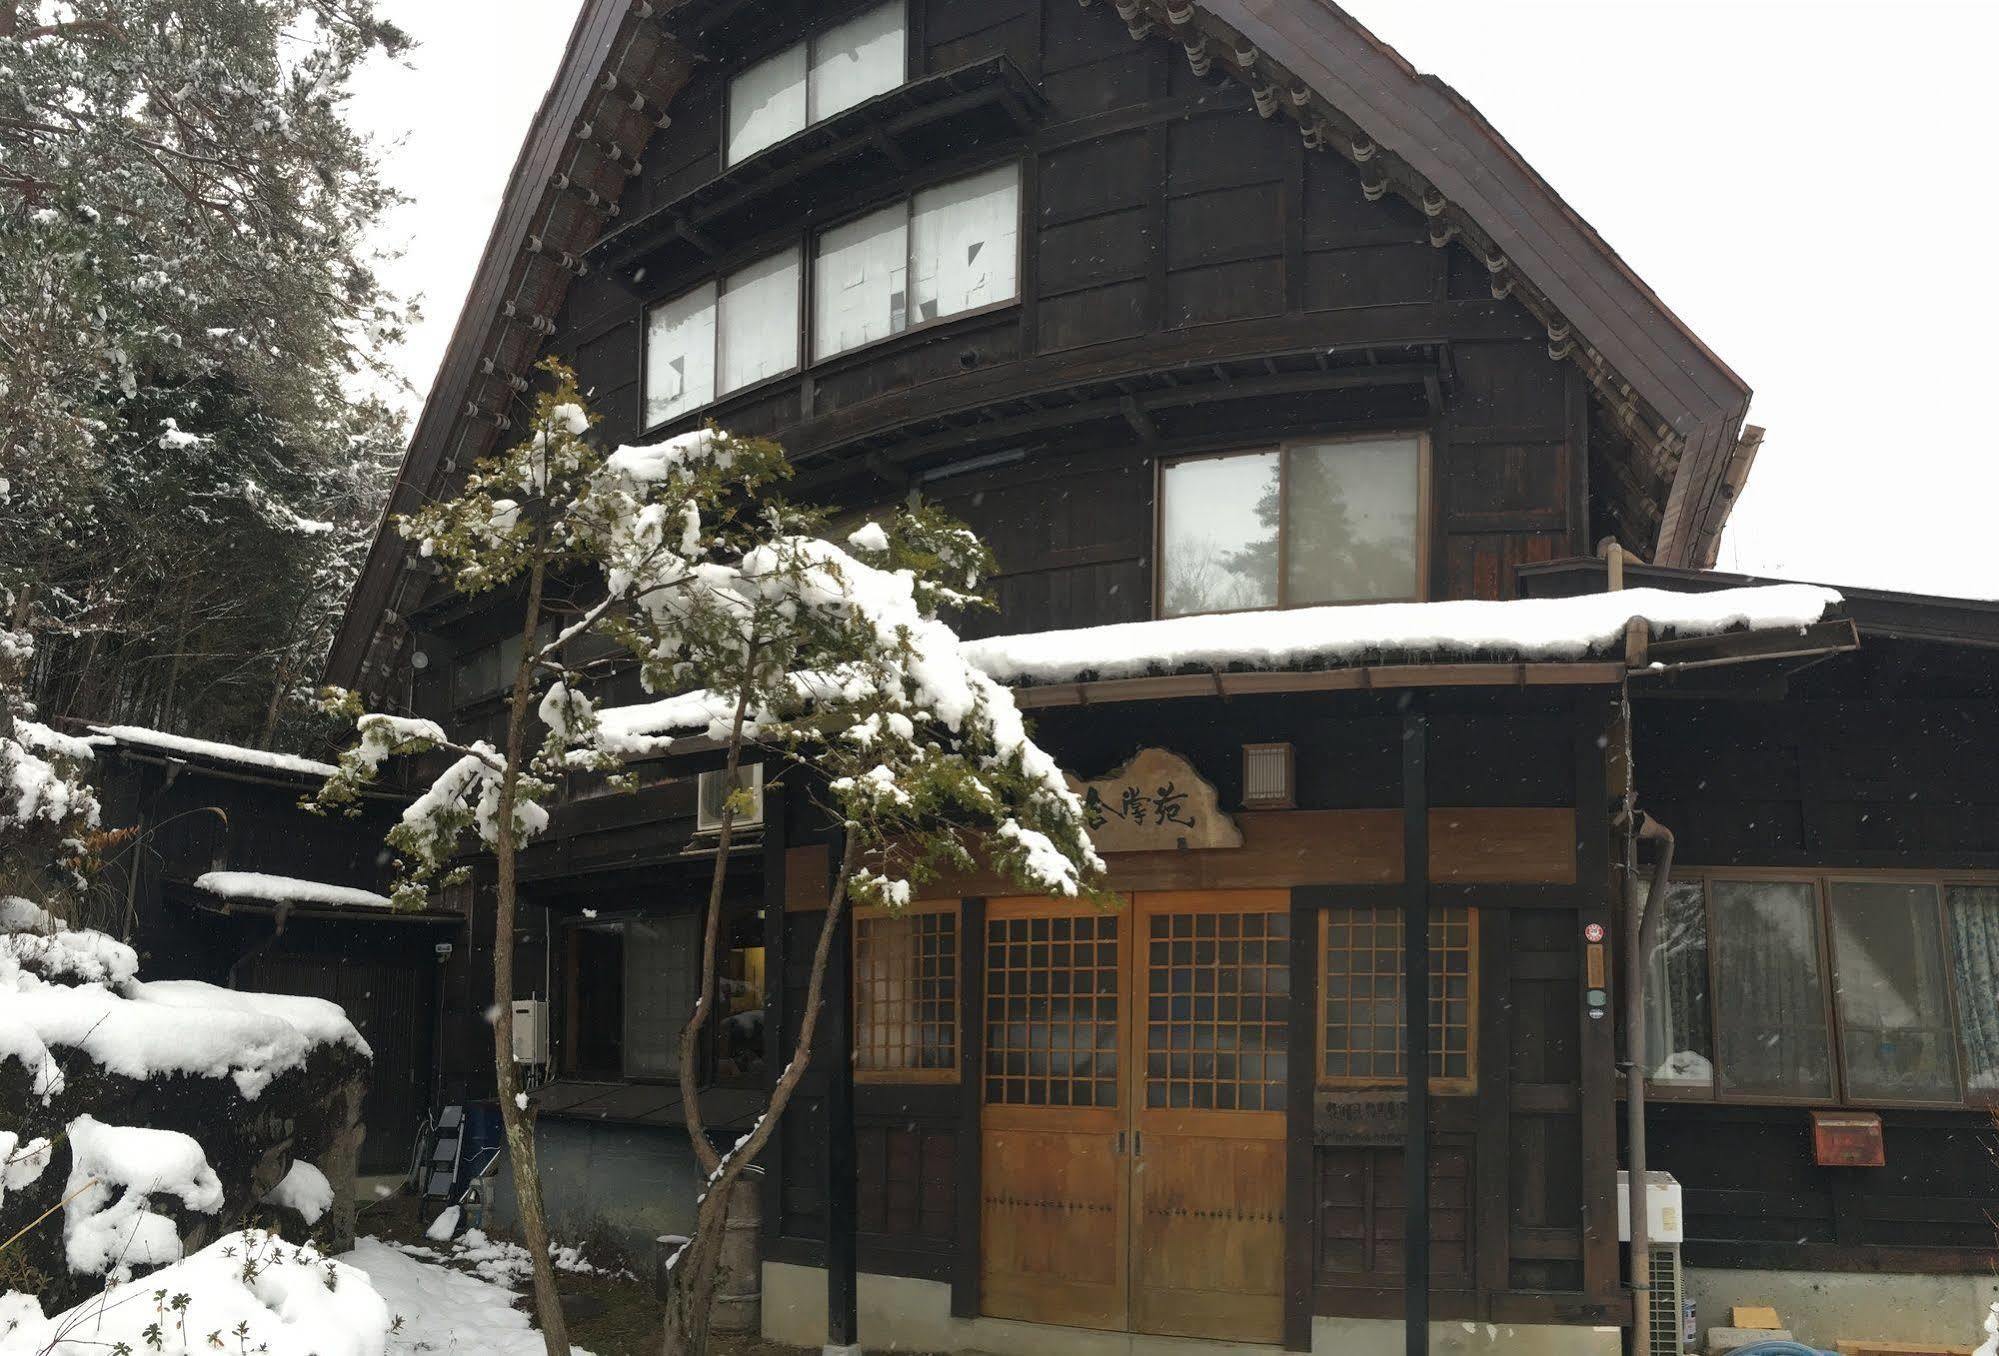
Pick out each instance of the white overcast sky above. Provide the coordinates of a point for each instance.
(1803, 181)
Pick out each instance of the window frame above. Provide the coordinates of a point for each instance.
(719, 281)
(907, 201)
(808, 39)
(562, 1059)
(1425, 514)
(955, 1073)
(1821, 880)
(1440, 1085)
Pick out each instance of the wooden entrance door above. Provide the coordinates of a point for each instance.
(1053, 1231)
(1134, 1113)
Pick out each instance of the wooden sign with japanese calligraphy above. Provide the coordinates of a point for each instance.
(1155, 803)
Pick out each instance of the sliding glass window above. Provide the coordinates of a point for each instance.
(1826, 988)
(808, 82)
(722, 336)
(950, 249)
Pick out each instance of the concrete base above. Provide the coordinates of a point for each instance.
(1824, 1308)
(898, 1313)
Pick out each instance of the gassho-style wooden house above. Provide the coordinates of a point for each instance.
(1233, 334)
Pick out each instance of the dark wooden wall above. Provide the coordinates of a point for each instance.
(1522, 1168)
(1168, 228)
(1884, 759)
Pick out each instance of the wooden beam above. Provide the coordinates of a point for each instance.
(842, 1155)
(1165, 687)
(1416, 1029)
(1301, 1213)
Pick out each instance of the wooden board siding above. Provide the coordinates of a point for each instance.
(1282, 848)
(1880, 760)
(1163, 214)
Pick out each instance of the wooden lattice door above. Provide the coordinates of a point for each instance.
(1133, 1130)
(1212, 980)
(1055, 1194)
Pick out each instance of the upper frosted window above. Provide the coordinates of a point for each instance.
(810, 81)
(680, 354)
(758, 332)
(964, 245)
(723, 336)
(767, 103)
(950, 249)
(854, 61)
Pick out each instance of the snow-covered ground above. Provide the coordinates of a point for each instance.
(380, 1299)
(443, 1310)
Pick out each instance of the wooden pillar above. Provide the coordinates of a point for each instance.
(842, 1159)
(967, 1195)
(1301, 1214)
(1416, 1027)
(1598, 876)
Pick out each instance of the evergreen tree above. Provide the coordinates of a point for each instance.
(188, 303)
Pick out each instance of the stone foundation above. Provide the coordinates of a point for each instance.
(898, 1313)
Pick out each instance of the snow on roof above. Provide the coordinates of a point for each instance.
(1522, 629)
(287, 890)
(161, 741)
(1310, 637)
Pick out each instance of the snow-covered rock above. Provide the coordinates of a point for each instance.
(109, 1226)
(305, 1190)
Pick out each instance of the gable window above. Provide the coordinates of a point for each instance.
(1827, 988)
(722, 336)
(906, 994)
(1335, 521)
(950, 249)
(808, 82)
(1360, 997)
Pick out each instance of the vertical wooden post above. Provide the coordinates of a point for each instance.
(842, 1159)
(1416, 1027)
(1301, 1216)
(968, 1198)
(1600, 879)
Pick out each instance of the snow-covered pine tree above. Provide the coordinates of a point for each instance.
(188, 304)
(753, 630)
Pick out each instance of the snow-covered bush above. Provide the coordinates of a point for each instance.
(48, 812)
(143, 1119)
(249, 1291)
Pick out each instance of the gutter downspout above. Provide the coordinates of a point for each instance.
(1641, 938)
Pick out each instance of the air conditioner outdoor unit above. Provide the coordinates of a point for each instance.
(1669, 1302)
(1665, 1227)
(530, 1031)
(712, 789)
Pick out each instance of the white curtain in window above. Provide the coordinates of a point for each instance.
(964, 244)
(860, 282)
(1769, 989)
(759, 321)
(1679, 1044)
(767, 103)
(1974, 955)
(659, 992)
(854, 61)
(680, 354)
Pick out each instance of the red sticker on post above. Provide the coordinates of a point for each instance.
(1593, 933)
